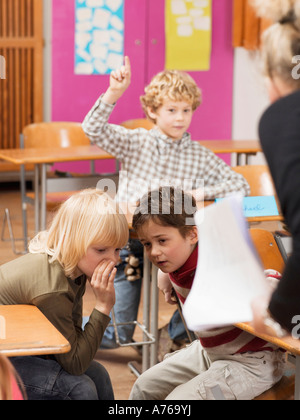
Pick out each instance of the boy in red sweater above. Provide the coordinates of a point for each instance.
(242, 365)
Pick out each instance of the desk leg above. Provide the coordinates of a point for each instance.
(146, 310)
(43, 196)
(239, 159)
(24, 206)
(297, 379)
(37, 198)
(154, 316)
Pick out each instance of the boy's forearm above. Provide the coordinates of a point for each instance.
(111, 96)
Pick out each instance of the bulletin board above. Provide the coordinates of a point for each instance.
(99, 36)
(188, 34)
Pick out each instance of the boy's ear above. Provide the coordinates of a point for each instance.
(151, 113)
(193, 235)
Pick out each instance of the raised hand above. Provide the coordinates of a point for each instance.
(119, 82)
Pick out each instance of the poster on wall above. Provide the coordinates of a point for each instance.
(99, 36)
(188, 34)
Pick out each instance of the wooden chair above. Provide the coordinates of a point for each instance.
(271, 257)
(258, 178)
(138, 123)
(54, 134)
(267, 249)
(49, 135)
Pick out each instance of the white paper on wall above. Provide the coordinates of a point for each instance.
(99, 36)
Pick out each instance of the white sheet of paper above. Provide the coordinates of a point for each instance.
(229, 274)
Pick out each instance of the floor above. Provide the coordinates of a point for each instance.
(115, 361)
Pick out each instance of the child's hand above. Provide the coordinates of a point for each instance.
(119, 82)
(165, 285)
(102, 283)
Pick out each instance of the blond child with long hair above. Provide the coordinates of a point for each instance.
(82, 244)
(279, 131)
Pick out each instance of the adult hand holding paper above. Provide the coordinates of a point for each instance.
(229, 274)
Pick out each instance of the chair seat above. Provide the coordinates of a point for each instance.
(55, 199)
(282, 391)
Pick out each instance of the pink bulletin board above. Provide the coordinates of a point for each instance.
(73, 95)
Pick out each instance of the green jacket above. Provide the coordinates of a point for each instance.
(32, 280)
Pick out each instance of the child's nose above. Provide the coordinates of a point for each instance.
(114, 256)
(155, 251)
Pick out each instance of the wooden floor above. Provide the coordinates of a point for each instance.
(115, 361)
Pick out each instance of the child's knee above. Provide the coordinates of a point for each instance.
(146, 386)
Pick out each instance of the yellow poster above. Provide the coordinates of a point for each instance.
(188, 34)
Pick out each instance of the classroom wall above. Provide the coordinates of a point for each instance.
(73, 95)
(249, 98)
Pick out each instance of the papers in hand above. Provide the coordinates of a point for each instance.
(229, 274)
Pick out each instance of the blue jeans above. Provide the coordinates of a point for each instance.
(44, 379)
(176, 328)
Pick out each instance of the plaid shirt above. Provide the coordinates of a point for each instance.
(150, 159)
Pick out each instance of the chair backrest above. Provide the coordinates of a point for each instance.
(54, 134)
(138, 123)
(267, 249)
(259, 179)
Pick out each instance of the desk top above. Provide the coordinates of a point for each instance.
(232, 146)
(288, 343)
(50, 155)
(79, 153)
(25, 331)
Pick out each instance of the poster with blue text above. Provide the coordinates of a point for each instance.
(99, 36)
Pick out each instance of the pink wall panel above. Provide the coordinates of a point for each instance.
(213, 120)
(72, 95)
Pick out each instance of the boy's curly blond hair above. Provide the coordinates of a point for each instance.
(173, 85)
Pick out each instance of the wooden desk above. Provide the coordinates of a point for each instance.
(53, 155)
(40, 158)
(240, 147)
(25, 331)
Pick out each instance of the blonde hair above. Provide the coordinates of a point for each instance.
(171, 84)
(275, 10)
(281, 41)
(87, 218)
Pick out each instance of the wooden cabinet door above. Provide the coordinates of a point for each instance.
(21, 49)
